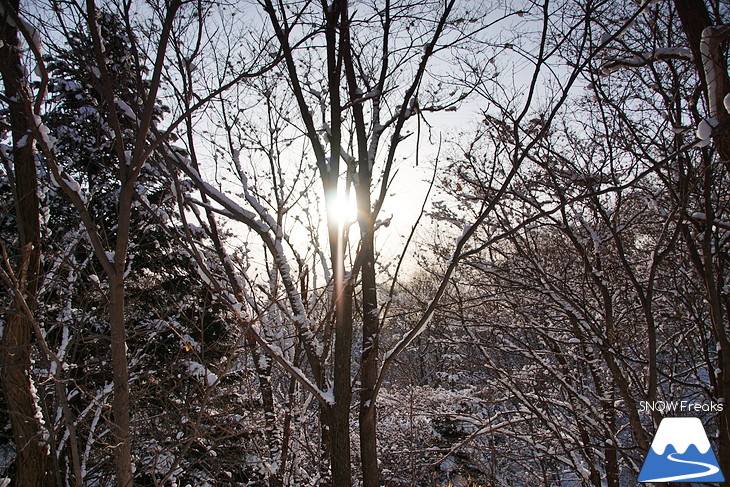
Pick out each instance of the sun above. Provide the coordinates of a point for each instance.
(343, 208)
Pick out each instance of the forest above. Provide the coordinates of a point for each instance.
(361, 243)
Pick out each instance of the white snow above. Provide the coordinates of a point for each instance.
(677, 52)
(70, 85)
(680, 433)
(87, 110)
(709, 65)
(72, 184)
(328, 396)
(644, 58)
(126, 109)
(704, 129)
(44, 131)
(38, 414)
(264, 361)
(35, 36)
(448, 465)
(199, 371)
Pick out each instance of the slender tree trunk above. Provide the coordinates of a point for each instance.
(120, 404)
(369, 365)
(32, 451)
(710, 61)
(370, 331)
(118, 335)
(286, 428)
(262, 365)
(339, 412)
(612, 466)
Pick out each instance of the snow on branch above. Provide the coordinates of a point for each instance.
(273, 242)
(704, 131)
(32, 37)
(698, 216)
(644, 58)
(259, 221)
(201, 372)
(712, 38)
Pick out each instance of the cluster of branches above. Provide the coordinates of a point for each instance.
(176, 170)
(612, 245)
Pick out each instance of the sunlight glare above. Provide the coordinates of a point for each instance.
(343, 208)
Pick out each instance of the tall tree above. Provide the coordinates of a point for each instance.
(131, 151)
(691, 86)
(104, 111)
(17, 378)
(360, 88)
(347, 86)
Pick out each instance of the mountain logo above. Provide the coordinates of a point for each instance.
(681, 452)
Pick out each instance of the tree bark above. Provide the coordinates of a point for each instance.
(118, 336)
(120, 373)
(339, 417)
(695, 18)
(339, 412)
(32, 453)
(370, 326)
(369, 368)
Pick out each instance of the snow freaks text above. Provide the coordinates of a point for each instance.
(680, 406)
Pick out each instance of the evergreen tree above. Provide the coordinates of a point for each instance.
(176, 323)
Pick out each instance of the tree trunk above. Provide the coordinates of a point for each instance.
(611, 452)
(32, 451)
(118, 335)
(370, 328)
(369, 365)
(120, 404)
(262, 365)
(710, 64)
(695, 18)
(339, 412)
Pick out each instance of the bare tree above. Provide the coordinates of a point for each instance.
(17, 380)
(131, 125)
(281, 130)
(343, 104)
(692, 178)
(604, 236)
